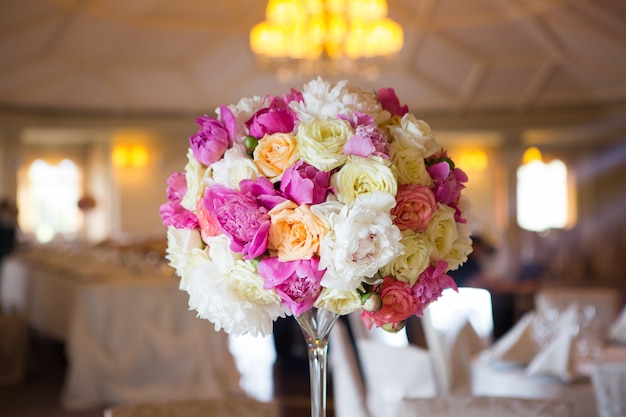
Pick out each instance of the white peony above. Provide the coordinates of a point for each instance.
(362, 239)
(323, 100)
(227, 291)
(181, 245)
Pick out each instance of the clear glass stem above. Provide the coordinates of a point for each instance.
(316, 325)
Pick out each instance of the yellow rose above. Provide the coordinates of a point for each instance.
(416, 258)
(274, 154)
(410, 165)
(361, 176)
(295, 232)
(442, 231)
(339, 301)
(321, 142)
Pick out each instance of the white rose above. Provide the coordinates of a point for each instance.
(195, 174)
(362, 238)
(442, 231)
(339, 301)
(234, 167)
(414, 133)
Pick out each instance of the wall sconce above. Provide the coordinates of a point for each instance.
(473, 160)
(129, 156)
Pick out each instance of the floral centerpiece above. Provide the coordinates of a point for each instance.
(328, 197)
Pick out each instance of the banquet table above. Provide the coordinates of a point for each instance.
(512, 380)
(127, 330)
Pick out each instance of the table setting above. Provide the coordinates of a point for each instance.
(551, 354)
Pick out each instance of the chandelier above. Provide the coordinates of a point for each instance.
(303, 38)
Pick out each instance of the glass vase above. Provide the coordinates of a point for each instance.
(316, 325)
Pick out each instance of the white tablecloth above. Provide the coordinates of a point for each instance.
(128, 331)
(507, 380)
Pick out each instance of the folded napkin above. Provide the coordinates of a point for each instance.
(517, 345)
(617, 331)
(557, 358)
(569, 317)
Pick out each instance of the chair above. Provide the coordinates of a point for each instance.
(391, 369)
(235, 406)
(457, 327)
(467, 406)
(609, 384)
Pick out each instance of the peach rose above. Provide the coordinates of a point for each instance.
(415, 205)
(295, 233)
(274, 154)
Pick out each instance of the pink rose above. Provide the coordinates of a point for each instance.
(213, 138)
(296, 282)
(208, 225)
(398, 304)
(172, 213)
(389, 100)
(367, 140)
(268, 121)
(305, 184)
(415, 205)
(431, 284)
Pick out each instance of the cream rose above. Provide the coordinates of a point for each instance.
(274, 154)
(339, 301)
(414, 133)
(416, 258)
(442, 231)
(321, 142)
(184, 246)
(363, 176)
(410, 165)
(295, 232)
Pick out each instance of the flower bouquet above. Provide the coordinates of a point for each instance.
(329, 198)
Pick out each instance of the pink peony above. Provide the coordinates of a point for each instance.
(172, 213)
(389, 100)
(213, 138)
(305, 184)
(243, 215)
(415, 205)
(431, 284)
(367, 140)
(296, 282)
(268, 121)
(398, 304)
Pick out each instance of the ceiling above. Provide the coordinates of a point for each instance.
(461, 58)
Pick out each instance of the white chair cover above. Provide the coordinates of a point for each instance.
(457, 326)
(349, 395)
(467, 406)
(236, 406)
(609, 384)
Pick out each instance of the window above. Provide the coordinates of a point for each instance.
(51, 196)
(542, 193)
